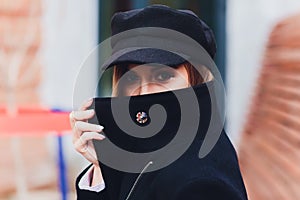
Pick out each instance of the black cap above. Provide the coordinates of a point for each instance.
(184, 21)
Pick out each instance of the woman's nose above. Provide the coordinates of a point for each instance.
(145, 88)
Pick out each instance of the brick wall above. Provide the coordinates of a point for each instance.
(270, 146)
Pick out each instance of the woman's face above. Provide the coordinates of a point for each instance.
(144, 79)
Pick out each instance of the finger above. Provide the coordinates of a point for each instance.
(71, 118)
(81, 144)
(80, 116)
(83, 115)
(80, 127)
(86, 104)
(88, 151)
(91, 154)
(91, 135)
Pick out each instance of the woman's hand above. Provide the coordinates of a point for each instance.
(83, 132)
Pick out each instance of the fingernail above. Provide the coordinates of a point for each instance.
(90, 100)
(91, 111)
(101, 136)
(100, 127)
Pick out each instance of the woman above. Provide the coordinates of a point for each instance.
(152, 76)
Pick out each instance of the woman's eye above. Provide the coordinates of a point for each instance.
(164, 76)
(131, 77)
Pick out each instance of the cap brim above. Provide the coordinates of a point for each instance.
(144, 56)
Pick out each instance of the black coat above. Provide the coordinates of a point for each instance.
(216, 176)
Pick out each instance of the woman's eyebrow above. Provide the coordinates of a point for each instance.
(156, 68)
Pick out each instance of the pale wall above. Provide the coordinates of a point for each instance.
(70, 33)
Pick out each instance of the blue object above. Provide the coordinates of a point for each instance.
(62, 169)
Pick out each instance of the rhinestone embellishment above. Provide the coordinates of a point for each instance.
(141, 117)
